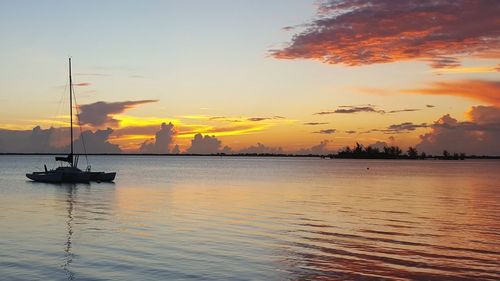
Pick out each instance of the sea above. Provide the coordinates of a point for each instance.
(252, 218)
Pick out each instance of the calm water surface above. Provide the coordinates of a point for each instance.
(211, 218)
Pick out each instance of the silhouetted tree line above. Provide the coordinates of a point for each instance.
(455, 156)
(391, 152)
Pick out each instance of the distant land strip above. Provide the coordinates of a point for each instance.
(330, 156)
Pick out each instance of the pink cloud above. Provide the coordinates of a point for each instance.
(83, 84)
(354, 32)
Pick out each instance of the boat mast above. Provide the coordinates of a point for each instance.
(71, 109)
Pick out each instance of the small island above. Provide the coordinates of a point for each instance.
(392, 152)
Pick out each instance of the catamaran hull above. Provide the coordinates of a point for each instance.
(102, 176)
(58, 177)
(84, 177)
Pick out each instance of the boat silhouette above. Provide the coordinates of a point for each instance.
(70, 172)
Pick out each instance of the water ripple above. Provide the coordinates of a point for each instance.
(213, 218)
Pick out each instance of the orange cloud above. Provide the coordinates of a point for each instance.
(486, 91)
(353, 32)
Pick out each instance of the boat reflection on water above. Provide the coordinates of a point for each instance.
(187, 218)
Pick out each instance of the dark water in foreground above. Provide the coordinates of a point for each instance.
(209, 218)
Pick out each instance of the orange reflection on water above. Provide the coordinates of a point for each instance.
(334, 220)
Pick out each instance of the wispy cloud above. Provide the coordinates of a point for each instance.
(315, 123)
(483, 90)
(347, 109)
(326, 131)
(82, 84)
(401, 128)
(444, 62)
(257, 119)
(403, 110)
(288, 28)
(406, 126)
(232, 119)
(356, 109)
(225, 119)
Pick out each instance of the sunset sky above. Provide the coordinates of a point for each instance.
(290, 76)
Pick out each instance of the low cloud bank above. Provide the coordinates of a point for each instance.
(163, 141)
(95, 142)
(260, 148)
(29, 141)
(204, 145)
(55, 140)
(319, 149)
(480, 135)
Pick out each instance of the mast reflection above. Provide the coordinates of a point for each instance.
(68, 254)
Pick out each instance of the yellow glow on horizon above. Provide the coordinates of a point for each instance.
(130, 137)
(135, 121)
(50, 122)
(9, 126)
(131, 140)
(212, 131)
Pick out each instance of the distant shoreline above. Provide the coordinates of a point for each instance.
(249, 155)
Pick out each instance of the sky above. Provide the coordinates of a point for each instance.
(280, 76)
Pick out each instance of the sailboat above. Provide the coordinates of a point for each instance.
(70, 172)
